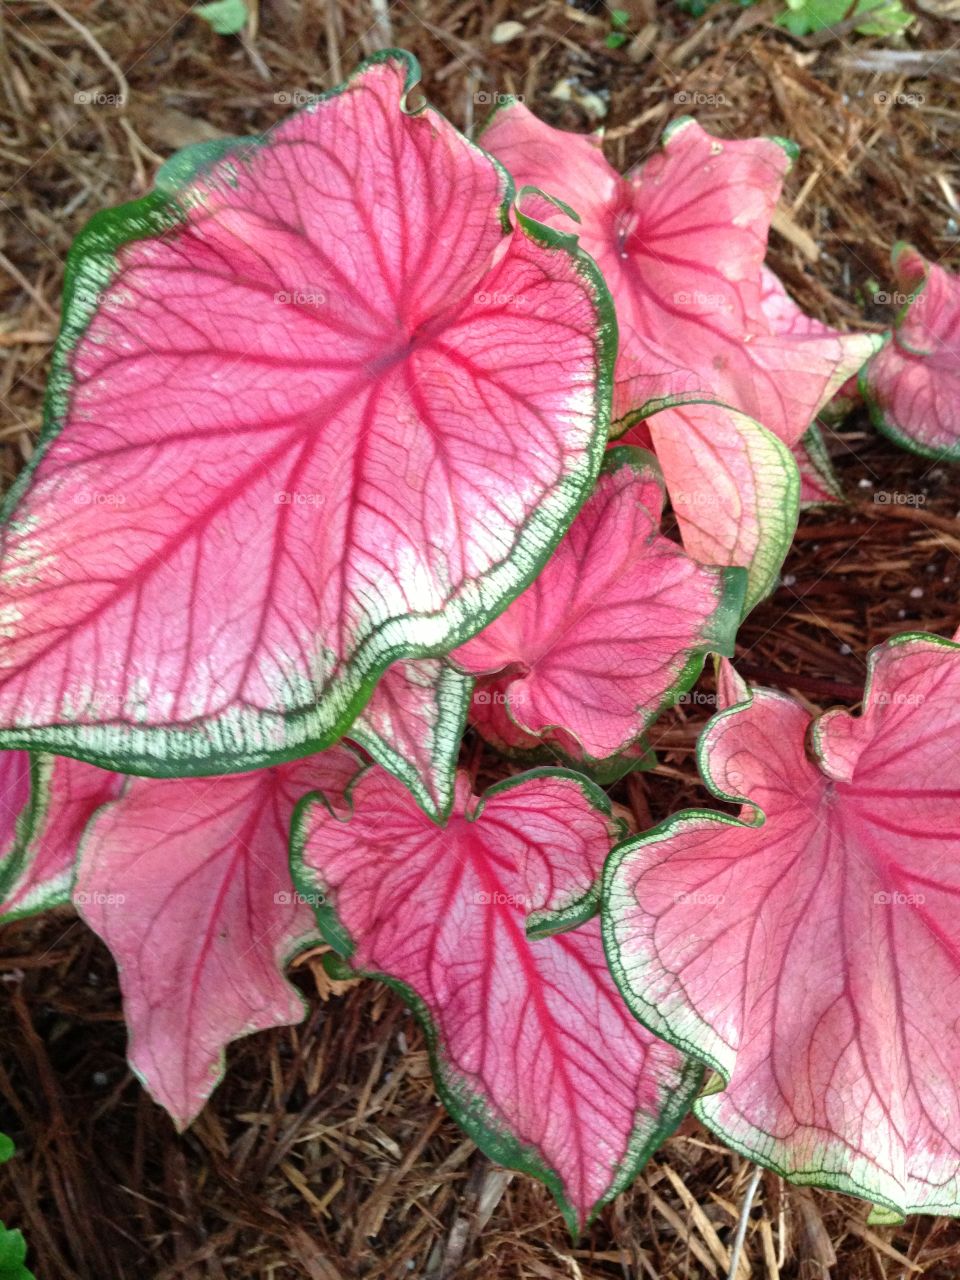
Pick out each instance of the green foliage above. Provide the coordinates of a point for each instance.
(802, 17)
(618, 22)
(227, 17)
(13, 1247)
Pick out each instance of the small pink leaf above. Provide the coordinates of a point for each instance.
(733, 485)
(490, 716)
(819, 485)
(681, 242)
(912, 386)
(50, 800)
(533, 1051)
(188, 883)
(615, 627)
(328, 405)
(413, 724)
(810, 951)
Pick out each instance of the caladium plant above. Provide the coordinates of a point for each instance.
(327, 459)
(533, 1050)
(809, 950)
(260, 479)
(912, 386)
(681, 242)
(614, 628)
(45, 805)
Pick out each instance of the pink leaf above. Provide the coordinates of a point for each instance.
(328, 405)
(733, 485)
(188, 883)
(46, 803)
(533, 1051)
(810, 951)
(681, 242)
(14, 795)
(413, 724)
(616, 626)
(912, 386)
(819, 486)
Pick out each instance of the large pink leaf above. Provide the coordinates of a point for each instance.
(810, 951)
(734, 486)
(413, 724)
(14, 795)
(912, 386)
(45, 805)
(534, 1052)
(617, 624)
(327, 405)
(188, 883)
(681, 242)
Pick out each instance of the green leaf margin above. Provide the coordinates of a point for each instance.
(92, 264)
(467, 1107)
(884, 1211)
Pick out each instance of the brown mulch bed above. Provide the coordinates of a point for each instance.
(325, 1154)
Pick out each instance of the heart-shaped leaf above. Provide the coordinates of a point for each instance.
(413, 724)
(810, 951)
(616, 626)
(188, 883)
(328, 405)
(912, 386)
(533, 1051)
(681, 243)
(50, 800)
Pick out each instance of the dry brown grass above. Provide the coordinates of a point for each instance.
(325, 1154)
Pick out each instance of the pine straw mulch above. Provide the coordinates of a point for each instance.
(324, 1154)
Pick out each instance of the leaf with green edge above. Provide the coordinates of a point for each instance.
(533, 1051)
(329, 405)
(734, 487)
(187, 881)
(809, 950)
(52, 799)
(616, 626)
(819, 486)
(412, 726)
(681, 242)
(912, 386)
